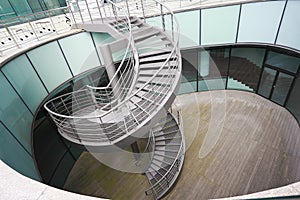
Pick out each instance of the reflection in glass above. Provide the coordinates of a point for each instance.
(12, 153)
(286, 62)
(245, 67)
(281, 88)
(267, 81)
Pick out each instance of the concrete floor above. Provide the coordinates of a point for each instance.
(237, 143)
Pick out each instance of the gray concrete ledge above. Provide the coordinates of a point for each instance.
(14, 186)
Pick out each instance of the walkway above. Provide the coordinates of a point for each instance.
(256, 149)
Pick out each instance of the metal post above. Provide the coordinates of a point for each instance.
(50, 18)
(33, 30)
(71, 11)
(162, 17)
(99, 10)
(88, 9)
(79, 12)
(126, 1)
(172, 23)
(143, 10)
(114, 11)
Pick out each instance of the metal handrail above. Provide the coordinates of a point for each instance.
(20, 30)
(112, 92)
(179, 157)
(138, 119)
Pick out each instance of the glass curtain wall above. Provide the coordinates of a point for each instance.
(268, 71)
(13, 8)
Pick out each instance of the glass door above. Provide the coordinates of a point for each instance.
(281, 88)
(275, 84)
(267, 82)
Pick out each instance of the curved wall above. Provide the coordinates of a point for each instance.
(29, 78)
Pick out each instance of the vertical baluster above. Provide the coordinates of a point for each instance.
(72, 13)
(88, 9)
(162, 17)
(51, 21)
(79, 11)
(98, 6)
(143, 10)
(127, 6)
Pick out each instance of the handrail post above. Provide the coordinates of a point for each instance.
(126, 1)
(50, 18)
(114, 11)
(162, 17)
(88, 9)
(172, 23)
(143, 10)
(79, 11)
(72, 13)
(99, 10)
(33, 31)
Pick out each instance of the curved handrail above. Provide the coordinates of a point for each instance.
(113, 89)
(172, 75)
(179, 158)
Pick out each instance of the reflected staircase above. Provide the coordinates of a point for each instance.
(135, 103)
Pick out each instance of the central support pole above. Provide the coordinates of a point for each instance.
(110, 69)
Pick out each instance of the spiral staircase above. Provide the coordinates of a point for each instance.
(142, 86)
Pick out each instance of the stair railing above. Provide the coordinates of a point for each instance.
(119, 85)
(19, 31)
(122, 116)
(161, 187)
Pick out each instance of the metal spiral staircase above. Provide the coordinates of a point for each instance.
(141, 88)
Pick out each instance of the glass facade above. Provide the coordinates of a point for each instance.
(268, 71)
(259, 21)
(13, 8)
(219, 25)
(27, 80)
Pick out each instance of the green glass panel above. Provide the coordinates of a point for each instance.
(286, 62)
(6, 11)
(14, 155)
(290, 26)
(50, 64)
(21, 7)
(219, 25)
(259, 22)
(20, 73)
(187, 87)
(212, 84)
(189, 23)
(100, 39)
(14, 114)
(80, 52)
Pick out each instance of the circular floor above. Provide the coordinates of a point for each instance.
(237, 143)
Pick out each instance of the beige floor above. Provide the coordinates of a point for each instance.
(237, 143)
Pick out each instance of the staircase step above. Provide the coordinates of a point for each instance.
(146, 33)
(155, 57)
(154, 53)
(157, 81)
(157, 65)
(163, 148)
(163, 159)
(162, 72)
(165, 155)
